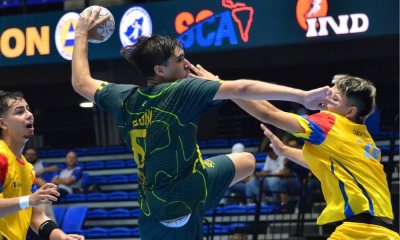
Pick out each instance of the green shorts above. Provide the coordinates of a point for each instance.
(220, 173)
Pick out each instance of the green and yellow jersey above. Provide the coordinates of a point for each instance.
(159, 124)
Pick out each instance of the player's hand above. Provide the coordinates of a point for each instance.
(45, 195)
(72, 237)
(319, 98)
(200, 72)
(88, 23)
(276, 144)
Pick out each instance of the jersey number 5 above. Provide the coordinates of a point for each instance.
(138, 152)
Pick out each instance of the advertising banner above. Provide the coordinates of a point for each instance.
(203, 26)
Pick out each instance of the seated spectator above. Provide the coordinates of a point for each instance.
(70, 178)
(275, 167)
(43, 171)
(239, 188)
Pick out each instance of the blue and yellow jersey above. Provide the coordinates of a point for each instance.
(159, 124)
(17, 179)
(344, 157)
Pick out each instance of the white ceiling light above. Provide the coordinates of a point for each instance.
(86, 105)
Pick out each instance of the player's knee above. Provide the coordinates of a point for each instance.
(249, 160)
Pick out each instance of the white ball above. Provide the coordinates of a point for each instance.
(106, 29)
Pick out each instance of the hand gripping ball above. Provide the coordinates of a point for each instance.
(106, 29)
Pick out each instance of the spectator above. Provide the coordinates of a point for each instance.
(275, 167)
(43, 171)
(69, 178)
(239, 188)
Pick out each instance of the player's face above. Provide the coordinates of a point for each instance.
(18, 121)
(342, 109)
(71, 159)
(31, 156)
(178, 66)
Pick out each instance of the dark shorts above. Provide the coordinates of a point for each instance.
(220, 173)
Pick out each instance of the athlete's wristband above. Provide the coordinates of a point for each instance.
(24, 202)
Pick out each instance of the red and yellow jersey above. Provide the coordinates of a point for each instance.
(17, 179)
(344, 157)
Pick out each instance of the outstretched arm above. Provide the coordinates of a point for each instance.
(240, 91)
(267, 113)
(316, 99)
(293, 154)
(82, 82)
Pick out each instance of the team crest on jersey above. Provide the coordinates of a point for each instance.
(135, 22)
(65, 34)
(209, 163)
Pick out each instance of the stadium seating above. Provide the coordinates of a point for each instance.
(115, 164)
(95, 165)
(218, 143)
(115, 149)
(97, 214)
(78, 151)
(59, 213)
(96, 151)
(118, 179)
(57, 153)
(75, 216)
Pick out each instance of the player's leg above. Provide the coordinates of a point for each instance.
(245, 164)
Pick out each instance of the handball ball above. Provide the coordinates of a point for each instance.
(106, 29)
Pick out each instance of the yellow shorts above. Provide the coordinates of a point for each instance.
(353, 230)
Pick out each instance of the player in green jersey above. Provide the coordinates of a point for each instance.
(159, 122)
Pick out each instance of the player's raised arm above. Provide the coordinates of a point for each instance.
(82, 81)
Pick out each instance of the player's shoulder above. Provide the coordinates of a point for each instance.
(4, 155)
(323, 116)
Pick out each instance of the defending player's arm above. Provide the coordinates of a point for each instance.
(82, 81)
(48, 229)
(46, 193)
(293, 154)
(267, 113)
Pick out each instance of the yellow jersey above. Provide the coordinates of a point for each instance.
(17, 179)
(344, 157)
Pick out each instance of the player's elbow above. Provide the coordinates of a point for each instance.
(241, 89)
(78, 83)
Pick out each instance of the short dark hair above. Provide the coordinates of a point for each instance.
(150, 51)
(360, 93)
(4, 97)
